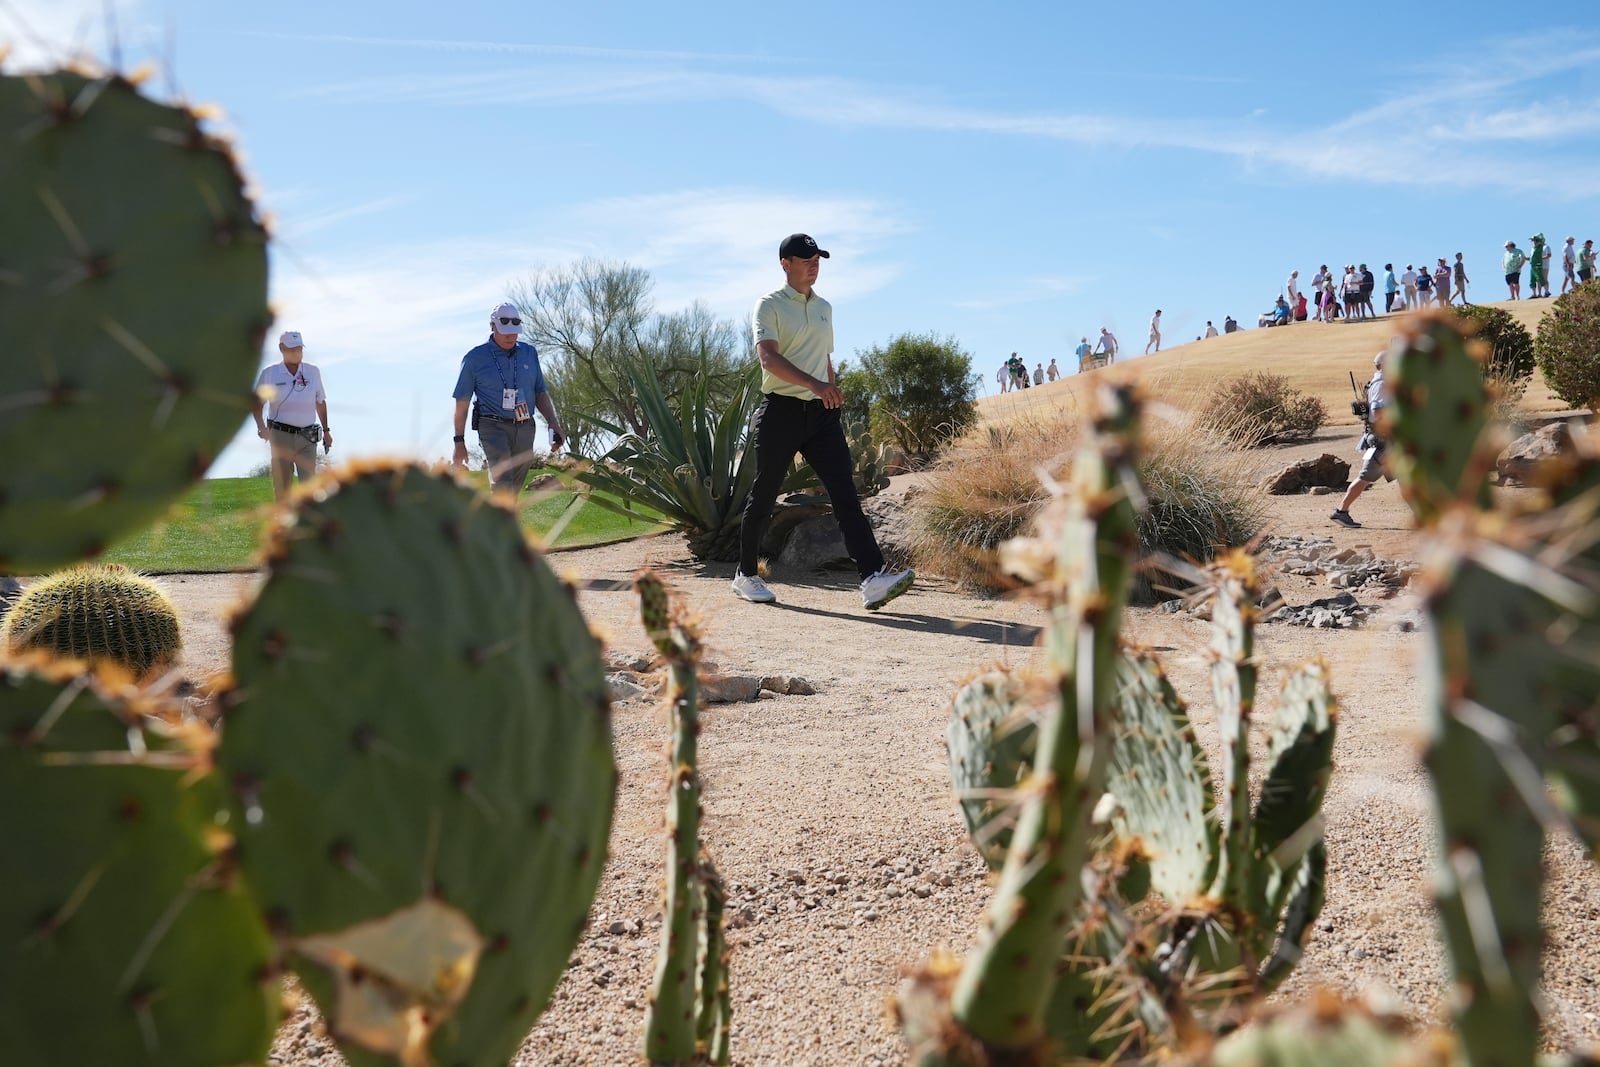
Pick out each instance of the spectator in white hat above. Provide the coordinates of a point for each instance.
(502, 381)
(295, 416)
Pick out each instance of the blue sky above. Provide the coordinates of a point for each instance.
(1015, 175)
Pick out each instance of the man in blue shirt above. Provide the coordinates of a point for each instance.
(502, 380)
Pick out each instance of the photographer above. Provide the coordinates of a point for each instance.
(1374, 450)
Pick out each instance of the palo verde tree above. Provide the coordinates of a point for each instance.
(922, 392)
(595, 322)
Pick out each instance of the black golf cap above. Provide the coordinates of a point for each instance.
(800, 246)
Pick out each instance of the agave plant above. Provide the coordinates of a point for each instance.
(694, 469)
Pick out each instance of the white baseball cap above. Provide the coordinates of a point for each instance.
(291, 339)
(506, 319)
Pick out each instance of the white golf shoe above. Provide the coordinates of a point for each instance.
(750, 587)
(884, 586)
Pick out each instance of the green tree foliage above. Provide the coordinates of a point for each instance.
(1568, 347)
(920, 388)
(595, 325)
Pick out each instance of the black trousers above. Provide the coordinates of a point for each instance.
(785, 425)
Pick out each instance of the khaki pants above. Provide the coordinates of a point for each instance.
(292, 454)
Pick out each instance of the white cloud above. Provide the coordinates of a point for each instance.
(45, 33)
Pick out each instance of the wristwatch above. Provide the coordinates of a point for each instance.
(459, 439)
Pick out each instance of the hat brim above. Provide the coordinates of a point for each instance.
(505, 331)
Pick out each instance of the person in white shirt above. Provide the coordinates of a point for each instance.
(295, 417)
(1155, 333)
(1408, 282)
(1293, 287)
(1211, 331)
(1569, 265)
(1107, 345)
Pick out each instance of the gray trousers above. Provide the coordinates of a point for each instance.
(292, 454)
(508, 446)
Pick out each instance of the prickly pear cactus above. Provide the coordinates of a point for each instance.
(133, 302)
(1510, 686)
(101, 613)
(990, 737)
(129, 939)
(418, 750)
(686, 1019)
(1325, 1032)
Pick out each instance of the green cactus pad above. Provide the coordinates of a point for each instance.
(1437, 412)
(103, 614)
(123, 924)
(1103, 1008)
(420, 716)
(1160, 779)
(1233, 687)
(1326, 1033)
(1306, 893)
(990, 737)
(133, 303)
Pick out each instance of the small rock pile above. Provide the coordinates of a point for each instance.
(1344, 568)
(636, 676)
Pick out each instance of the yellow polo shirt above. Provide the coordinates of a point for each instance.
(804, 331)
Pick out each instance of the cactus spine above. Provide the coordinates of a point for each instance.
(687, 1017)
(100, 613)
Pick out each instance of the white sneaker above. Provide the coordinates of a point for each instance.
(884, 586)
(750, 587)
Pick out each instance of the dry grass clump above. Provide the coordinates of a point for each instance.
(1261, 409)
(1204, 496)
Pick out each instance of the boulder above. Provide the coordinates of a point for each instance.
(1326, 470)
(893, 524)
(812, 545)
(729, 688)
(1523, 456)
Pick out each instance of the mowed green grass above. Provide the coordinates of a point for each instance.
(218, 527)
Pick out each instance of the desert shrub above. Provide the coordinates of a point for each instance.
(922, 391)
(986, 488)
(1568, 347)
(1259, 408)
(1510, 363)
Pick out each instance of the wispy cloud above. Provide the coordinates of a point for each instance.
(507, 47)
(1442, 129)
(1027, 291)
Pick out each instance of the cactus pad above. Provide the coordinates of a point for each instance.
(1437, 413)
(103, 614)
(122, 921)
(420, 734)
(133, 285)
(1326, 1032)
(991, 738)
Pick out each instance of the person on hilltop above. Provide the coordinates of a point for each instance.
(1512, 262)
(1052, 372)
(1368, 285)
(1408, 287)
(1461, 280)
(1211, 331)
(1019, 372)
(1569, 265)
(1083, 353)
(1424, 286)
(1230, 325)
(1538, 267)
(1351, 292)
(1374, 450)
(502, 381)
(1106, 346)
(793, 331)
(1441, 283)
(1292, 287)
(1003, 376)
(1586, 262)
(1038, 374)
(1155, 333)
(1316, 289)
(295, 416)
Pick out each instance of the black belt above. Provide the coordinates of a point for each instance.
(791, 399)
(286, 428)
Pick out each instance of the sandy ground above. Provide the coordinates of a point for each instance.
(832, 818)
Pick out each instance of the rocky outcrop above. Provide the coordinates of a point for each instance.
(1522, 457)
(1327, 470)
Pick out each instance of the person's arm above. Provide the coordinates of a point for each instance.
(258, 409)
(547, 408)
(775, 364)
(458, 456)
(322, 416)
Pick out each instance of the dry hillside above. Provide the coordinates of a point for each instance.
(1316, 357)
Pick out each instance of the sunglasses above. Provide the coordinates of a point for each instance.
(510, 322)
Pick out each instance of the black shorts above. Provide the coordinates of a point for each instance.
(1513, 279)
(1585, 275)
